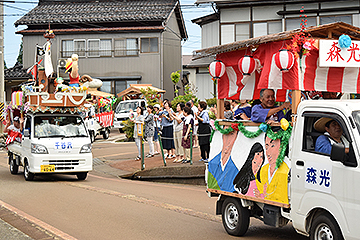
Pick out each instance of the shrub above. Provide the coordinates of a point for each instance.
(129, 129)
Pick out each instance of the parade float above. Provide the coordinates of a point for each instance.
(52, 137)
(271, 171)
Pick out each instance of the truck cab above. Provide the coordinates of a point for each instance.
(52, 143)
(122, 111)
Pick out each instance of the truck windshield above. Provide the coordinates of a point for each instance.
(59, 126)
(124, 107)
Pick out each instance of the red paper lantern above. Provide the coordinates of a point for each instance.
(284, 60)
(217, 69)
(247, 65)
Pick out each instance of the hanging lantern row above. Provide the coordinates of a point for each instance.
(284, 61)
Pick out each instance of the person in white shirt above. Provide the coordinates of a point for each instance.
(17, 126)
(196, 123)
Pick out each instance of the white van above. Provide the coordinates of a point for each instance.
(52, 143)
(122, 111)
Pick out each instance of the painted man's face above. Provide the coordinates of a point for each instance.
(257, 161)
(272, 149)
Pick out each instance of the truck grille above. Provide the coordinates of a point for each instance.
(63, 164)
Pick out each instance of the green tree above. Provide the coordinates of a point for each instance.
(175, 78)
(20, 56)
(152, 96)
(5, 67)
(188, 95)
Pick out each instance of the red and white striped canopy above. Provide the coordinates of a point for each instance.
(310, 77)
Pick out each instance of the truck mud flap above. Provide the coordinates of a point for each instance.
(272, 216)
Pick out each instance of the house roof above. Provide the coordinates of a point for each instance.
(16, 73)
(206, 19)
(330, 31)
(136, 89)
(91, 13)
(255, 2)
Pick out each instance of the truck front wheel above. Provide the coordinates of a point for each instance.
(81, 176)
(29, 176)
(235, 217)
(14, 168)
(325, 226)
(106, 133)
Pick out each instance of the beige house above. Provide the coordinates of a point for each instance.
(119, 42)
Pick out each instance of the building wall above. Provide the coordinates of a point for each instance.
(172, 55)
(210, 35)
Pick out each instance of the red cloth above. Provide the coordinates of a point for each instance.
(74, 80)
(11, 136)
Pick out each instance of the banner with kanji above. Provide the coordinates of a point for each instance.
(105, 119)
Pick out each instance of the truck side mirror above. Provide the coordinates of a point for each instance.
(26, 133)
(337, 152)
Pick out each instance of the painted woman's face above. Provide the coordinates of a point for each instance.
(257, 161)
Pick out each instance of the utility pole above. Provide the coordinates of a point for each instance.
(2, 82)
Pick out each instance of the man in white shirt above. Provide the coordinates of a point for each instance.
(17, 126)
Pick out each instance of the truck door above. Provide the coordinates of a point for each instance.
(318, 182)
(26, 140)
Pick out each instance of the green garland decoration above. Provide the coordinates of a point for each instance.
(247, 133)
(284, 137)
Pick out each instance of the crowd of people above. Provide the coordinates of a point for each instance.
(177, 130)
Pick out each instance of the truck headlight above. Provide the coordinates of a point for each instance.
(86, 148)
(38, 149)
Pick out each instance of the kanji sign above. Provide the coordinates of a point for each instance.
(318, 177)
(331, 55)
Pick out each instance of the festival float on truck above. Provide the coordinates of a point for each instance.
(53, 136)
(292, 182)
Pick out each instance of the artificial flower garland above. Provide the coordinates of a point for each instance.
(283, 135)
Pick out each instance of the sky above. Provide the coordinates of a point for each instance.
(14, 11)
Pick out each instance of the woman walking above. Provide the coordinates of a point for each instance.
(204, 131)
(149, 129)
(167, 130)
(157, 121)
(178, 129)
(138, 120)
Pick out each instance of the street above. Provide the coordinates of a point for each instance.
(105, 207)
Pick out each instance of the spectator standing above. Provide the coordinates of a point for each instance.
(204, 131)
(167, 130)
(188, 124)
(178, 128)
(196, 123)
(149, 129)
(138, 119)
(157, 120)
(228, 114)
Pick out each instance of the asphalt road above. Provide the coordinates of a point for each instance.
(105, 207)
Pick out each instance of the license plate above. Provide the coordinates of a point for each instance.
(47, 168)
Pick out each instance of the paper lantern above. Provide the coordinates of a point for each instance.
(217, 69)
(247, 65)
(16, 98)
(284, 60)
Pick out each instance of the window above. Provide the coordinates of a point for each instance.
(332, 19)
(294, 23)
(116, 86)
(67, 48)
(99, 48)
(79, 47)
(260, 29)
(149, 45)
(242, 31)
(126, 47)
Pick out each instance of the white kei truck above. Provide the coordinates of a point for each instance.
(317, 192)
(52, 143)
